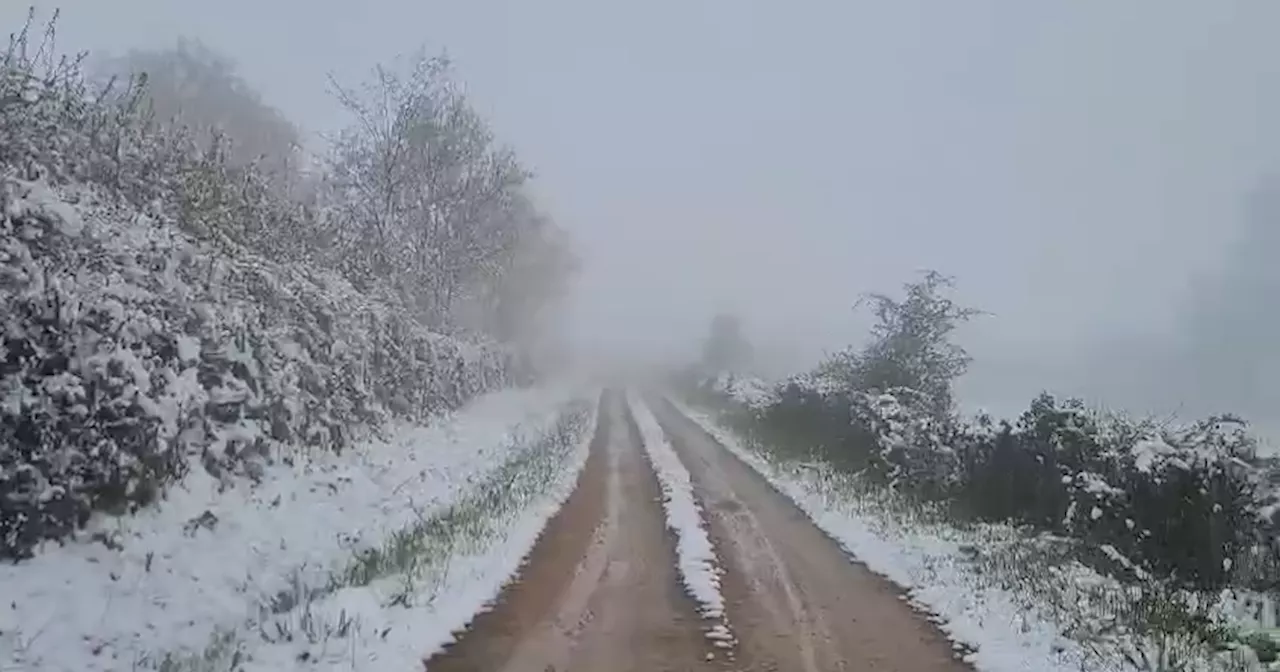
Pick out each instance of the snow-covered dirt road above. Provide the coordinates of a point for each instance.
(622, 579)
(600, 590)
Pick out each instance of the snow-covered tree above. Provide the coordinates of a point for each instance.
(911, 345)
(427, 203)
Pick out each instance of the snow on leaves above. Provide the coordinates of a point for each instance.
(127, 348)
(1193, 504)
(153, 316)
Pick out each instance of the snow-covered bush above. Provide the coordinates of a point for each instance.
(1179, 502)
(749, 391)
(138, 331)
(1185, 503)
(127, 346)
(1191, 504)
(910, 346)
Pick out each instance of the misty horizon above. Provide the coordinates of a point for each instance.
(1080, 170)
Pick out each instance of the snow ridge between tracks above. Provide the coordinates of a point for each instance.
(699, 568)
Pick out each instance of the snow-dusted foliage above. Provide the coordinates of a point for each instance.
(910, 346)
(1153, 544)
(749, 391)
(248, 572)
(139, 331)
(1121, 536)
(1188, 503)
(423, 200)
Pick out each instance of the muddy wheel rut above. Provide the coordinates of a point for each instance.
(600, 591)
(795, 598)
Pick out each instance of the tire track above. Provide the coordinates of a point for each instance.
(600, 589)
(797, 601)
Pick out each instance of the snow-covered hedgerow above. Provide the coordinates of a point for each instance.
(1187, 504)
(128, 348)
(225, 572)
(137, 331)
(749, 391)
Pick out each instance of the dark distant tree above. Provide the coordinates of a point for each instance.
(531, 277)
(194, 86)
(726, 349)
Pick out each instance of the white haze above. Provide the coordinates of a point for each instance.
(1078, 166)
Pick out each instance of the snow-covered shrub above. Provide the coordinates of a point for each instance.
(890, 437)
(1191, 505)
(1179, 502)
(1187, 504)
(127, 347)
(915, 449)
(819, 423)
(55, 126)
(910, 347)
(139, 331)
(749, 391)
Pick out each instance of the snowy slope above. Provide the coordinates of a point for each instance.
(459, 588)
(205, 560)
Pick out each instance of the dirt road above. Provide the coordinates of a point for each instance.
(600, 591)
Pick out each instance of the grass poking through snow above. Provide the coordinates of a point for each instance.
(469, 522)
(324, 626)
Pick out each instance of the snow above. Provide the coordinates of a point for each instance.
(748, 390)
(1147, 451)
(212, 552)
(1119, 558)
(194, 350)
(390, 638)
(1096, 485)
(698, 565)
(42, 203)
(1001, 634)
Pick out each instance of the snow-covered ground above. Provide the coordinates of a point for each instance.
(188, 577)
(699, 568)
(931, 563)
(399, 620)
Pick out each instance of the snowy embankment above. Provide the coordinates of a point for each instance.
(281, 574)
(129, 346)
(698, 565)
(935, 564)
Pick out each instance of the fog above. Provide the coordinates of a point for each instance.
(1082, 169)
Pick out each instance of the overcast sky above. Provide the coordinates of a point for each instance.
(1074, 164)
